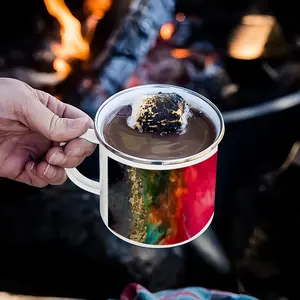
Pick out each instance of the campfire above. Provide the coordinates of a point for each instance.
(66, 38)
(74, 44)
(84, 51)
(84, 58)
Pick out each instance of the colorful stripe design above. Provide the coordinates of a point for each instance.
(169, 207)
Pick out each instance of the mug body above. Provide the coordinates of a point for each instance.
(157, 208)
(155, 203)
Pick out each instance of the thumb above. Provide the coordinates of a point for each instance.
(53, 127)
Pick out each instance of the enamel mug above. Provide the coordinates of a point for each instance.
(149, 215)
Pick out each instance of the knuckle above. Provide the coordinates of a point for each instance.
(74, 162)
(53, 125)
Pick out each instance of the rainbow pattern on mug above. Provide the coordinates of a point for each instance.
(171, 206)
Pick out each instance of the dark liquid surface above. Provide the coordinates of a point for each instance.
(199, 134)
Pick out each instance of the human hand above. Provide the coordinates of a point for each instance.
(32, 123)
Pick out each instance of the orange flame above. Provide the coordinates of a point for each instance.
(73, 44)
(96, 10)
(180, 53)
(167, 31)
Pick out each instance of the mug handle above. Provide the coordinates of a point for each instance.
(75, 176)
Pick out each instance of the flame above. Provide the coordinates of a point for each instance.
(73, 45)
(96, 10)
(167, 31)
(180, 53)
(61, 67)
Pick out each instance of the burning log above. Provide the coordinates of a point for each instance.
(125, 51)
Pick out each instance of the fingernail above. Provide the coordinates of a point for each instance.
(75, 152)
(49, 172)
(78, 123)
(57, 158)
(32, 169)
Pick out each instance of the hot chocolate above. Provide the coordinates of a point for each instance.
(199, 133)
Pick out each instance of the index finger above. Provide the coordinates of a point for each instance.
(60, 108)
(72, 112)
(71, 155)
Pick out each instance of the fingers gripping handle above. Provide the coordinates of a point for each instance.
(76, 177)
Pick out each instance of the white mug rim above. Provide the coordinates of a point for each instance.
(130, 159)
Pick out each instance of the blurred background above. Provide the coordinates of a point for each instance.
(245, 57)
